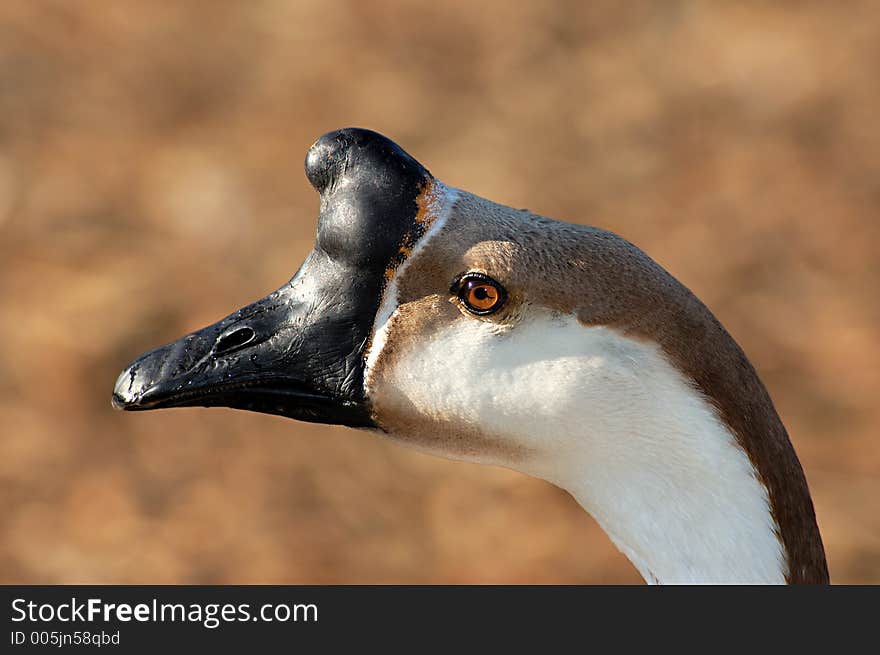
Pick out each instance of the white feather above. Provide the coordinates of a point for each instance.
(612, 421)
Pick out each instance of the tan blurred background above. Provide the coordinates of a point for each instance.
(151, 182)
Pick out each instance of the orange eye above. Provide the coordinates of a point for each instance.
(479, 293)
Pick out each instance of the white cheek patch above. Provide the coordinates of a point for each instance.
(435, 207)
(612, 421)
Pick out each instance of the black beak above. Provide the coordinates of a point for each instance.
(299, 352)
(296, 352)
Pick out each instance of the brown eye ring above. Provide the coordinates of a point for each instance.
(479, 293)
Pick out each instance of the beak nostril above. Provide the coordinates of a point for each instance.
(234, 340)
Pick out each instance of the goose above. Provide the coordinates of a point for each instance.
(478, 332)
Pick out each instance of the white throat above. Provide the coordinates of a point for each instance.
(613, 422)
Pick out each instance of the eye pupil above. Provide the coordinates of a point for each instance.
(481, 293)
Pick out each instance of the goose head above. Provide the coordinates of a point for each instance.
(474, 331)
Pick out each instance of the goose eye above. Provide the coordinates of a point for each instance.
(479, 293)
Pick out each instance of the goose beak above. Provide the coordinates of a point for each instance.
(299, 352)
(295, 353)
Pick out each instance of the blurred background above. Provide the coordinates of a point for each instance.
(151, 182)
